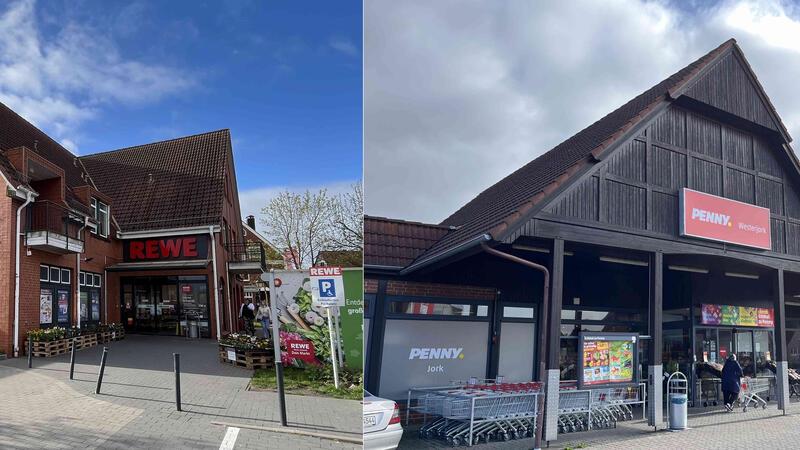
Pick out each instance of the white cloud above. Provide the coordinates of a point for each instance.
(458, 95)
(252, 201)
(344, 45)
(60, 83)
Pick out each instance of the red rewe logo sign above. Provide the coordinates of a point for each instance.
(177, 247)
(720, 219)
(301, 349)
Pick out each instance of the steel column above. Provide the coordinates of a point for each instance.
(554, 340)
(782, 373)
(655, 414)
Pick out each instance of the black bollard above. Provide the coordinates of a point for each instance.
(102, 369)
(281, 396)
(72, 360)
(177, 357)
(30, 353)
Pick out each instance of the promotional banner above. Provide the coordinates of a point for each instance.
(743, 316)
(301, 349)
(720, 219)
(607, 358)
(351, 319)
(46, 307)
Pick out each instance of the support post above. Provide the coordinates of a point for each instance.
(30, 353)
(334, 363)
(655, 408)
(782, 366)
(270, 277)
(177, 362)
(102, 370)
(554, 341)
(72, 359)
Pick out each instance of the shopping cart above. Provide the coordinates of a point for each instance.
(474, 413)
(574, 410)
(751, 387)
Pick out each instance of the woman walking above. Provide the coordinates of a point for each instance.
(731, 381)
(263, 316)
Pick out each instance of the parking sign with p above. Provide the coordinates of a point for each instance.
(327, 286)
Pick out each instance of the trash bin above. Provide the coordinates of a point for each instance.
(678, 399)
(193, 329)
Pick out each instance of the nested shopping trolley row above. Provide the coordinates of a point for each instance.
(586, 409)
(465, 413)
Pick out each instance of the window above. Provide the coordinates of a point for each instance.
(422, 308)
(81, 278)
(66, 276)
(101, 216)
(97, 280)
(44, 273)
(55, 275)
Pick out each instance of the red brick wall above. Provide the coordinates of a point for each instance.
(7, 223)
(370, 286)
(417, 289)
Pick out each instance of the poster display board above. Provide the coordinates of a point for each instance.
(351, 318)
(740, 316)
(45, 306)
(607, 358)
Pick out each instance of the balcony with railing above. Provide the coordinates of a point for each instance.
(53, 228)
(246, 258)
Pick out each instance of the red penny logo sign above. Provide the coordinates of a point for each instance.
(720, 219)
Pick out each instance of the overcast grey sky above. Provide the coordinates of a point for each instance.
(458, 94)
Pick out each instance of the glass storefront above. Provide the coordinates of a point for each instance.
(166, 305)
(55, 296)
(89, 301)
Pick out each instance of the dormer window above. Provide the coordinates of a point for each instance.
(101, 216)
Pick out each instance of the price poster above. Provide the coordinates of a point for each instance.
(607, 358)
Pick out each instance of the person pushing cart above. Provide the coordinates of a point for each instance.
(731, 381)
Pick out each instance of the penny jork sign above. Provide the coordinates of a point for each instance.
(166, 248)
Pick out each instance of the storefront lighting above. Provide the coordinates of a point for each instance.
(688, 269)
(749, 276)
(630, 262)
(528, 248)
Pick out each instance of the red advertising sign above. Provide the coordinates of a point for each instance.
(720, 219)
(166, 248)
(301, 349)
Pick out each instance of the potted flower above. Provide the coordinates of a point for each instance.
(247, 351)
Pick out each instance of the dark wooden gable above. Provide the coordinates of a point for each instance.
(635, 188)
(730, 85)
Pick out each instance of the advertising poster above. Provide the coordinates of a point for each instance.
(607, 358)
(95, 295)
(351, 319)
(46, 306)
(743, 316)
(63, 306)
(298, 318)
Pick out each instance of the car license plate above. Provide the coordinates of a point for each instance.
(371, 420)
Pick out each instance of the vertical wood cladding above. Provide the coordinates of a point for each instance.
(728, 86)
(638, 186)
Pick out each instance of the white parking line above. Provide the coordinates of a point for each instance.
(230, 438)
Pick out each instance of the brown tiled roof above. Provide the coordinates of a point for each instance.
(167, 184)
(396, 243)
(504, 204)
(342, 258)
(15, 131)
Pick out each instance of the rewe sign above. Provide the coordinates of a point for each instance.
(327, 286)
(301, 349)
(166, 248)
(720, 219)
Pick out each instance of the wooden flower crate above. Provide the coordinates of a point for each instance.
(85, 341)
(49, 348)
(117, 335)
(248, 359)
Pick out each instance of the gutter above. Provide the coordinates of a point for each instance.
(78, 272)
(213, 243)
(166, 232)
(542, 329)
(474, 242)
(29, 196)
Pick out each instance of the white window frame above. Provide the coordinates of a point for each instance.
(81, 278)
(46, 279)
(58, 271)
(97, 280)
(103, 227)
(68, 272)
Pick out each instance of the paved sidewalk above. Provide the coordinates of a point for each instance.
(710, 430)
(136, 406)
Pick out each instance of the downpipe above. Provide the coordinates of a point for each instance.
(78, 272)
(28, 199)
(213, 245)
(542, 332)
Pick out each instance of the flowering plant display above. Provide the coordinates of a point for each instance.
(245, 342)
(47, 334)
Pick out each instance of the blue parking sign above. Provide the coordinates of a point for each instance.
(327, 288)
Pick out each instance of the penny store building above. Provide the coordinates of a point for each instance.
(148, 236)
(674, 221)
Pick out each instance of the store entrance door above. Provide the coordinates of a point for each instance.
(517, 343)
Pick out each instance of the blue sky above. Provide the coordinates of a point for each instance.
(285, 77)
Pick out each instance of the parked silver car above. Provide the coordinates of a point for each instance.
(382, 429)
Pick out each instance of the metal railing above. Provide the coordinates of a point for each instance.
(246, 253)
(46, 216)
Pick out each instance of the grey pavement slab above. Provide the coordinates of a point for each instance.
(136, 407)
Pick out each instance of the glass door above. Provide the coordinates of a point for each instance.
(517, 344)
(168, 319)
(744, 351)
(763, 351)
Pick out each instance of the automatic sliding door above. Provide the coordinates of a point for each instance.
(744, 351)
